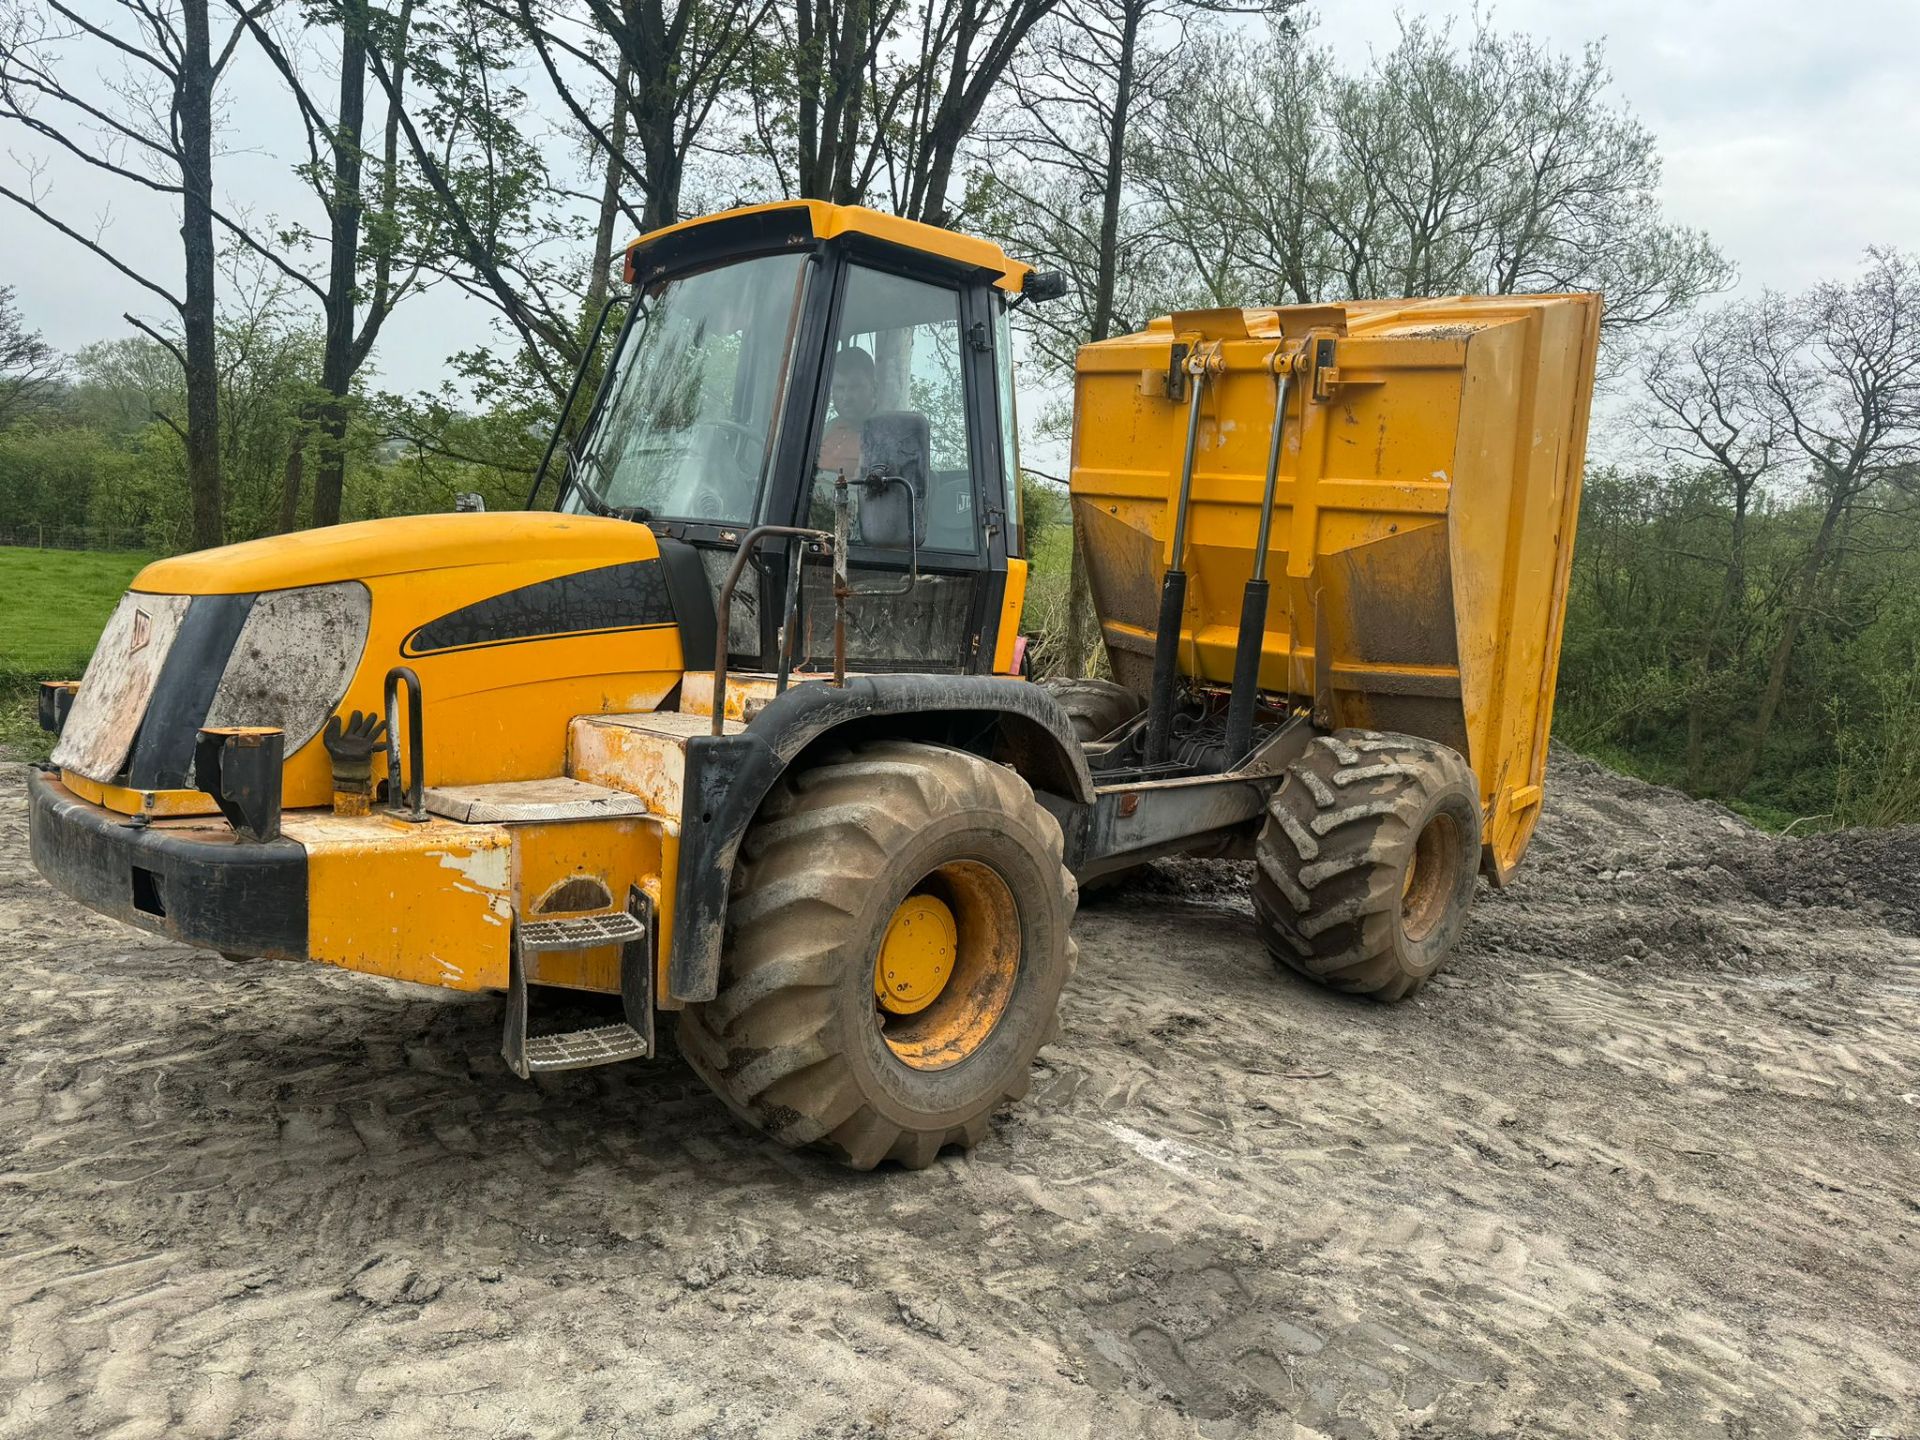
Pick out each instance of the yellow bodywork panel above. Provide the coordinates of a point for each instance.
(498, 710)
(828, 220)
(430, 903)
(642, 754)
(578, 868)
(645, 755)
(747, 692)
(159, 804)
(1011, 603)
(434, 902)
(1424, 514)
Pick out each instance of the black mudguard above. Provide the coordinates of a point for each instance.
(729, 776)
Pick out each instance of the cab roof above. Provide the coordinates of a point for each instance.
(803, 222)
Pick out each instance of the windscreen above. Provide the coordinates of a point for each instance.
(687, 422)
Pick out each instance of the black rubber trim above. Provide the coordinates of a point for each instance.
(728, 776)
(693, 601)
(715, 242)
(183, 693)
(628, 596)
(222, 894)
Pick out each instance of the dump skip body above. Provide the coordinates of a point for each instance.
(1427, 490)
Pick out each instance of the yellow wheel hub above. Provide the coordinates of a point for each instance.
(916, 955)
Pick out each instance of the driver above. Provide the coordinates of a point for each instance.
(855, 393)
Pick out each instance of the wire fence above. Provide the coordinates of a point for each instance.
(72, 537)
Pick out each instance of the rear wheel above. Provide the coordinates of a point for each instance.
(1096, 707)
(1367, 861)
(896, 946)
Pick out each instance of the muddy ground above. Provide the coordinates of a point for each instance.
(1644, 1163)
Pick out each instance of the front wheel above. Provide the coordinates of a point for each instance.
(1367, 861)
(896, 947)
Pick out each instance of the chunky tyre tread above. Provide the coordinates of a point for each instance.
(1096, 707)
(824, 839)
(1327, 889)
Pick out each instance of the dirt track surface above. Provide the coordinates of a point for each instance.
(1643, 1163)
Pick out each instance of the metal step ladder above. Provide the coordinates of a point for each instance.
(632, 1039)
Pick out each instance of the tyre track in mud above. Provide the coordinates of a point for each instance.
(1642, 1163)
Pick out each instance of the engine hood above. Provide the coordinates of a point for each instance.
(369, 549)
(513, 623)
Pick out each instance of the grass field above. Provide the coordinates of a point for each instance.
(53, 604)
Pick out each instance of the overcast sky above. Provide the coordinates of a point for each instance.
(1791, 133)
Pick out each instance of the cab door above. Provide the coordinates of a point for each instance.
(909, 362)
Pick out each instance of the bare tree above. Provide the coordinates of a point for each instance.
(613, 171)
(673, 65)
(148, 125)
(1074, 102)
(964, 48)
(1841, 368)
(1711, 409)
(816, 95)
(874, 101)
(28, 365)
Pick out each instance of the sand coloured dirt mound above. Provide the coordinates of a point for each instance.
(1641, 1164)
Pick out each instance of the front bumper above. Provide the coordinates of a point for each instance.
(191, 880)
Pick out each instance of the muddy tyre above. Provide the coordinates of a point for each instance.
(1096, 707)
(1367, 862)
(924, 872)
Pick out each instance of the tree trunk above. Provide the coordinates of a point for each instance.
(598, 279)
(292, 478)
(1749, 761)
(343, 260)
(1079, 606)
(193, 105)
(807, 117)
(1106, 278)
(1713, 649)
(662, 157)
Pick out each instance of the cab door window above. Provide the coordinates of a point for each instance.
(898, 371)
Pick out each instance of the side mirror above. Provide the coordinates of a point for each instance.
(1039, 286)
(896, 444)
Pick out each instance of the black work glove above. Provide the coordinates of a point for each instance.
(352, 747)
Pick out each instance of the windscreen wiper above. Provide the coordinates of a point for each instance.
(590, 497)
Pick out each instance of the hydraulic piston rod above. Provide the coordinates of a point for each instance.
(1173, 589)
(1253, 603)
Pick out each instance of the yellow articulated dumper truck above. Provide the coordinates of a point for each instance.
(732, 726)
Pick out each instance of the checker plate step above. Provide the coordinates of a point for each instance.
(578, 1049)
(587, 932)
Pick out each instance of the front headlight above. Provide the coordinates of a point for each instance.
(293, 659)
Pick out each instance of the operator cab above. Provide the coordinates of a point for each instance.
(769, 351)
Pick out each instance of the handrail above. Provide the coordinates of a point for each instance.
(843, 590)
(415, 809)
(724, 607)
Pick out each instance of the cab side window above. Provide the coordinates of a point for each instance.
(900, 350)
